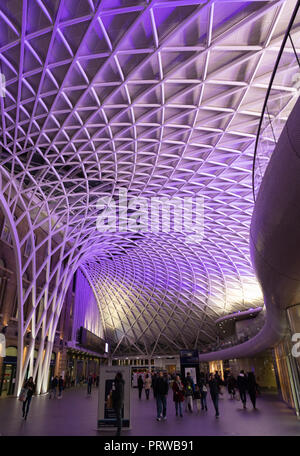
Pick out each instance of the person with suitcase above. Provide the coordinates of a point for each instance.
(26, 394)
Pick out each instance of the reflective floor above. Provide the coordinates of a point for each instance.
(76, 414)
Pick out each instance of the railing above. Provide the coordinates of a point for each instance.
(254, 327)
(282, 94)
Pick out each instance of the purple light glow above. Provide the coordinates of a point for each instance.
(156, 97)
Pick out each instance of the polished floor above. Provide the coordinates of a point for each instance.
(76, 414)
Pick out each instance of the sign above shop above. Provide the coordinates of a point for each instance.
(87, 339)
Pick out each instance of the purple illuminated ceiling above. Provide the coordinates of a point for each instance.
(158, 97)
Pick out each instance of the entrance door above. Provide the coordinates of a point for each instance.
(79, 369)
(8, 379)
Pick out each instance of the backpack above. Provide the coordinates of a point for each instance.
(189, 390)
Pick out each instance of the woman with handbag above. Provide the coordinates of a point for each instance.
(203, 393)
(148, 383)
(29, 385)
(178, 394)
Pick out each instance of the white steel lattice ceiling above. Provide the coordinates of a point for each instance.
(162, 98)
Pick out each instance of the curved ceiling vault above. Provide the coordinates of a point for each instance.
(162, 98)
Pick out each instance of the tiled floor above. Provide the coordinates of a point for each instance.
(76, 414)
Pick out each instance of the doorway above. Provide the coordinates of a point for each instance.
(8, 379)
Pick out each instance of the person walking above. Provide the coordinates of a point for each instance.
(118, 399)
(197, 398)
(160, 390)
(252, 388)
(218, 378)
(140, 385)
(53, 386)
(214, 392)
(226, 376)
(242, 384)
(203, 393)
(154, 380)
(68, 380)
(89, 384)
(178, 394)
(29, 385)
(60, 387)
(231, 386)
(189, 392)
(147, 386)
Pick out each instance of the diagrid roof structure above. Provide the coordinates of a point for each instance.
(161, 98)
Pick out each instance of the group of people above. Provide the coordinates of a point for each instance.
(56, 383)
(92, 378)
(184, 390)
(194, 395)
(244, 383)
(28, 390)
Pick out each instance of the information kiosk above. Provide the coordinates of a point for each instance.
(106, 414)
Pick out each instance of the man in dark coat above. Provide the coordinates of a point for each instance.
(60, 387)
(154, 380)
(140, 385)
(242, 383)
(53, 386)
(214, 392)
(252, 388)
(89, 384)
(160, 390)
(118, 399)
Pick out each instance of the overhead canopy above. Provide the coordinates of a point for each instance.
(161, 98)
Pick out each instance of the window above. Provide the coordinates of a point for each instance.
(11, 351)
(28, 246)
(15, 309)
(5, 234)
